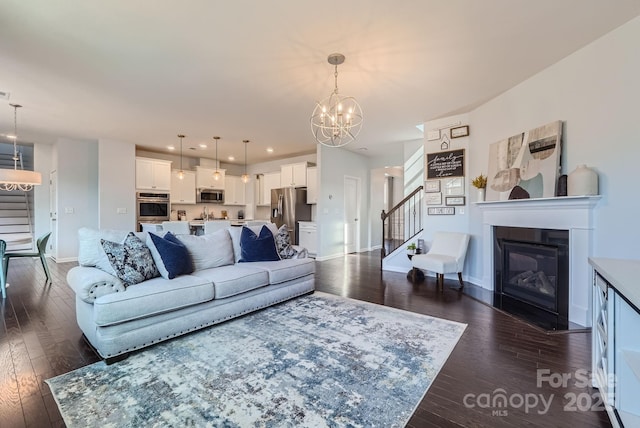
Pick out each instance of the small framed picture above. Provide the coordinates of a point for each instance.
(454, 200)
(453, 186)
(433, 198)
(441, 210)
(460, 131)
(431, 186)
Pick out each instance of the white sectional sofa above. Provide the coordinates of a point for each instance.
(117, 319)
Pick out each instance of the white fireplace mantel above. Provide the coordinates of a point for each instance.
(572, 213)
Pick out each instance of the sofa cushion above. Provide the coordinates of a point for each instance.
(286, 270)
(209, 251)
(231, 280)
(151, 297)
(90, 251)
(257, 248)
(131, 260)
(235, 232)
(170, 255)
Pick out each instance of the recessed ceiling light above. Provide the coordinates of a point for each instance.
(364, 149)
(170, 148)
(203, 146)
(231, 158)
(269, 149)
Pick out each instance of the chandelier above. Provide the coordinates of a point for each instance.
(336, 120)
(18, 179)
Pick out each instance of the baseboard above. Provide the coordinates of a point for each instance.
(63, 259)
(333, 256)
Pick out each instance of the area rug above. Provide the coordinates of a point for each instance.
(315, 361)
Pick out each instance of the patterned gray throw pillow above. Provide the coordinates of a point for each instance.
(283, 243)
(131, 260)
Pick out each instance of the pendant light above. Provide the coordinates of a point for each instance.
(181, 172)
(17, 179)
(245, 176)
(216, 175)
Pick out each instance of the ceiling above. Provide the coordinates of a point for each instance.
(144, 71)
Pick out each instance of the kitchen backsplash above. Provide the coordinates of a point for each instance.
(196, 211)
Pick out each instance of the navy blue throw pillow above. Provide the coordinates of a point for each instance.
(257, 248)
(175, 257)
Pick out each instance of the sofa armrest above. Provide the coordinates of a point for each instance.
(89, 283)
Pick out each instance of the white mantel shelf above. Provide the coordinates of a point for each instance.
(560, 201)
(572, 213)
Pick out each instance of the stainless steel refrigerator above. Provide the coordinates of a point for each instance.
(289, 206)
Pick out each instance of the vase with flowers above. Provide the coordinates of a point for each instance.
(480, 182)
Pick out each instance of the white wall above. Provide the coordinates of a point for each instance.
(77, 166)
(117, 188)
(595, 92)
(333, 165)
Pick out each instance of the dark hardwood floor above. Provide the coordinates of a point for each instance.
(497, 354)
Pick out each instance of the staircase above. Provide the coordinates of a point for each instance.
(402, 222)
(16, 220)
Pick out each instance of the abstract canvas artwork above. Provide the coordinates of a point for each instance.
(526, 165)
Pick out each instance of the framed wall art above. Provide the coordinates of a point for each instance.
(433, 198)
(453, 186)
(454, 201)
(431, 186)
(460, 131)
(445, 164)
(441, 210)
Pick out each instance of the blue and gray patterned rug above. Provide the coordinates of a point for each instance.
(316, 361)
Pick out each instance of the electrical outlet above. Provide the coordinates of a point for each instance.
(461, 210)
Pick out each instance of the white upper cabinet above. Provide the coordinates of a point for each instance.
(312, 185)
(234, 191)
(153, 174)
(293, 175)
(205, 180)
(269, 180)
(183, 191)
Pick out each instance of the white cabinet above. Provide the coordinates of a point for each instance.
(268, 181)
(234, 191)
(293, 175)
(153, 174)
(615, 345)
(312, 185)
(205, 178)
(307, 236)
(183, 191)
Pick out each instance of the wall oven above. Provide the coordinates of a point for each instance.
(152, 207)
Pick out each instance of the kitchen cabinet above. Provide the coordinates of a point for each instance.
(307, 237)
(312, 185)
(183, 191)
(615, 346)
(268, 181)
(205, 180)
(293, 174)
(153, 174)
(234, 191)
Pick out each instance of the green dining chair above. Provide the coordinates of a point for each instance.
(3, 277)
(42, 247)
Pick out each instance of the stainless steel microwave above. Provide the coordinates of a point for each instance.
(212, 196)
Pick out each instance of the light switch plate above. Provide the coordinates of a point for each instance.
(121, 210)
(68, 210)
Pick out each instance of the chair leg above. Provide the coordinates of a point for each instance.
(3, 278)
(441, 281)
(45, 267)
(460, 279)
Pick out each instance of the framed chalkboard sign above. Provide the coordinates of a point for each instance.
(445, 164)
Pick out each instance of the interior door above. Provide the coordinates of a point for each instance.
(53, 214)
(351, 214)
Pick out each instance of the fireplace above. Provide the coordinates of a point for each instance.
(532, 274)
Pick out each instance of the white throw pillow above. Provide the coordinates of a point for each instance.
(209, 251)
(90, 251)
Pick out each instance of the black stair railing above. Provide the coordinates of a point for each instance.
(402, 222)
